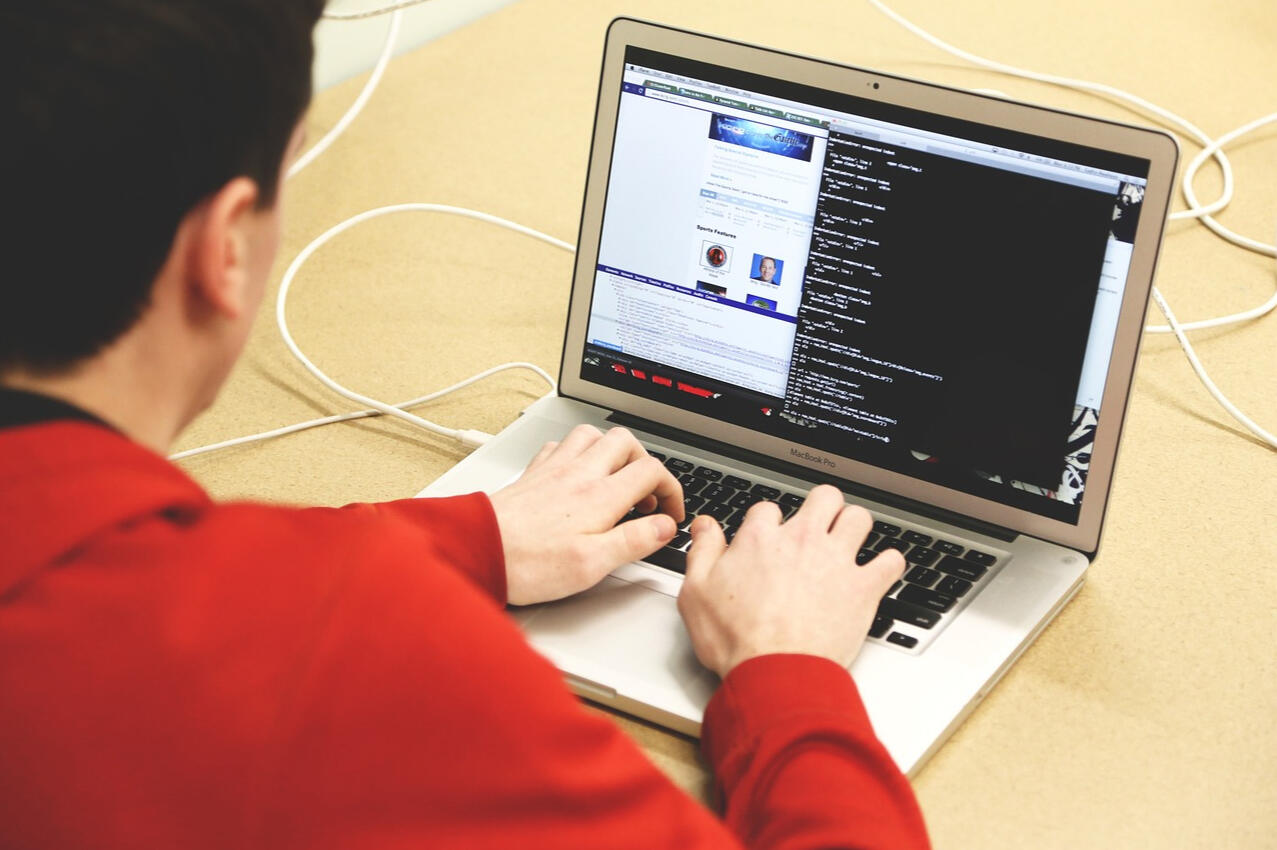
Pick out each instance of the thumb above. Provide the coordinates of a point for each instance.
(635, 539)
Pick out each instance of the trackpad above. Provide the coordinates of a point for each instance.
(626, 636)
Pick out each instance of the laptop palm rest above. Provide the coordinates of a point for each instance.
(621, 637)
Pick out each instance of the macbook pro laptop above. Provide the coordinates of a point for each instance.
(792, 272)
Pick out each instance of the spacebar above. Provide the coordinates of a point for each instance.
(670, 559)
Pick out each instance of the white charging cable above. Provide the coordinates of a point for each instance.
(363, 414)
(372, 13)
(466, 436)
(387, 51)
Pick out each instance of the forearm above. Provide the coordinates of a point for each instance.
(459, 532)
(797, 762)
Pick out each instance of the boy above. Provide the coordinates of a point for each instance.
(180, 673)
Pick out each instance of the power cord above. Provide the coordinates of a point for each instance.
(372, 13)
(387, 51)
(465, 436)
(362, 414)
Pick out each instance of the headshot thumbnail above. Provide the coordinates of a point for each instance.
(766, 269)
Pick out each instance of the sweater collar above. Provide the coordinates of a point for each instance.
(20, 407)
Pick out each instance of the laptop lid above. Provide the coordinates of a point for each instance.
(922, 290)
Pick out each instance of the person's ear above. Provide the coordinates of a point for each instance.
(220, 245)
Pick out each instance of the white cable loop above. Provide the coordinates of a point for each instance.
(1189, 174)
(387, 51)
(376, 408)
(310, 249)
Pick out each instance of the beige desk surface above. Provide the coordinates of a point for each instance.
(1145, 715)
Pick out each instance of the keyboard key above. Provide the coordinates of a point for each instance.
(921, 555)
(927, 598)
(729, 532)
(691, 484)
(922, 576)
(946, 547)
(890, 543)
(736, 483)
(743, 500)
(707, 473)
(787, 511)
(864, 556)
(960, 568)
(886, 528)
(691, 504)
(670, 559)
(916, 537)
(657, 455)
(717, 493)
(791, 500)
(687, 522)
(953, 586)
(871, 538)
(982, 558)
(718, 511)
(680, 540)
(901, 639)
(765, 493)
(895, 587)
(881, 625)
(914, 615)
(677, 465)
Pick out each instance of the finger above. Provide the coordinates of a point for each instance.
(646, 505)
(708, 545)
(763, 513)
(852, 525)
(616, 449)
(820, 508)
(632, 540)
(546, 451)
(578, 440)
(886, 570)
(647, 477)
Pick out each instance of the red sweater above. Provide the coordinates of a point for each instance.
(180, 673)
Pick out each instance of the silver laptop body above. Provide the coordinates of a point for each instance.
(792, 272)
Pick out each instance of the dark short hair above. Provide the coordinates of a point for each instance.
(121, 117)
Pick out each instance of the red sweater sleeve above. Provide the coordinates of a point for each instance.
(459, 532)
(797, 762)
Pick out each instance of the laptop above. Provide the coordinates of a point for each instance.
(792, 272)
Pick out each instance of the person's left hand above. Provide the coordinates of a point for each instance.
(558, 520)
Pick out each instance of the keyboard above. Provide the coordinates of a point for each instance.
(942, 574)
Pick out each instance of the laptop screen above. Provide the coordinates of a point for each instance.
(929, 295)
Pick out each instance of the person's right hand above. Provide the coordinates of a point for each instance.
(791, 587)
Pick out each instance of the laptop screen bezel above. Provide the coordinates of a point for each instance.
(1158, 148)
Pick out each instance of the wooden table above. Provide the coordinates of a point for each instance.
(1144, 716)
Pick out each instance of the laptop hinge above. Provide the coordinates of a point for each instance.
(850, 488)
